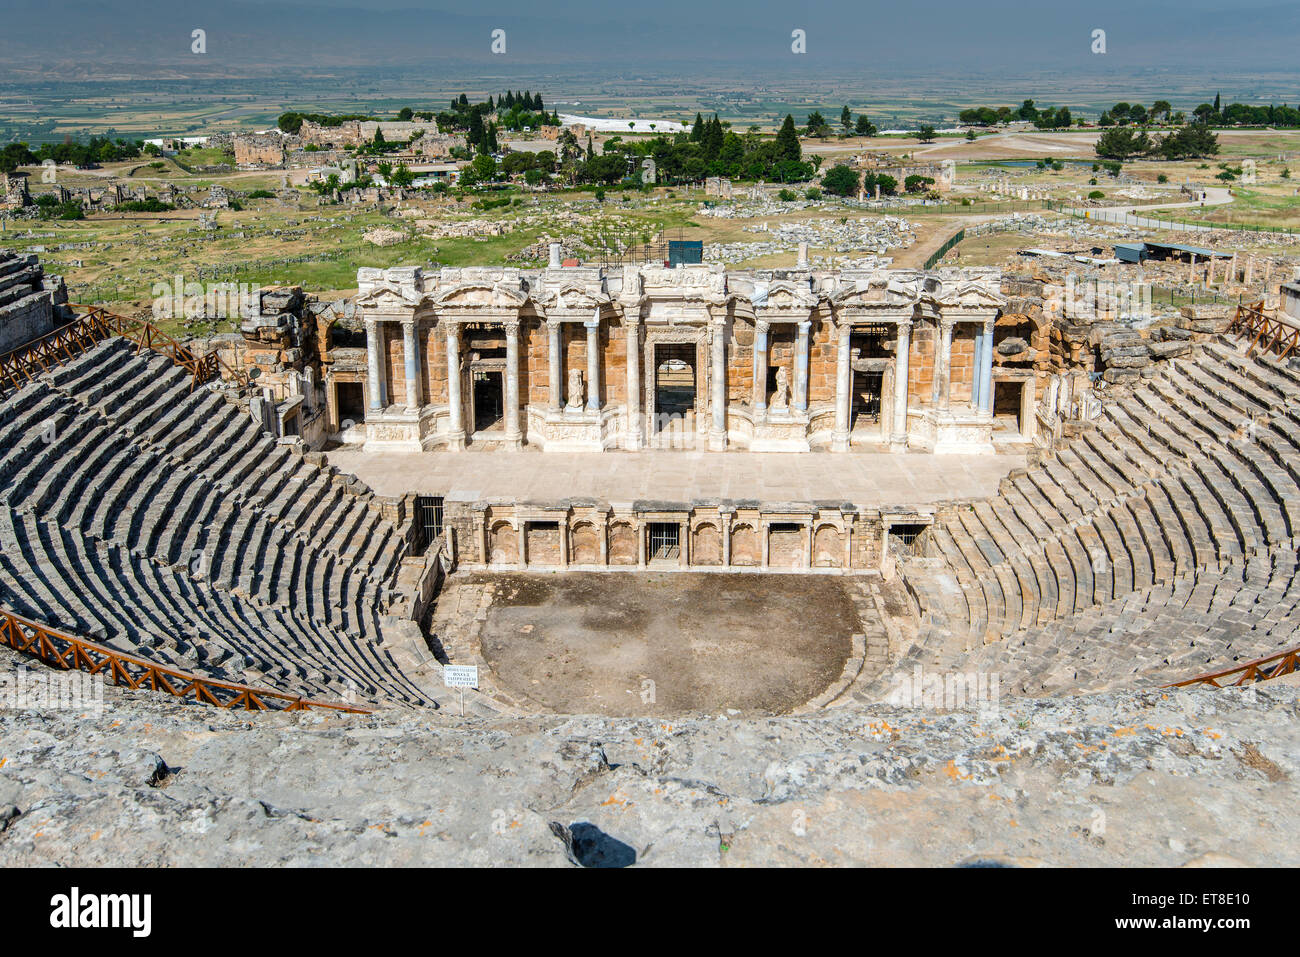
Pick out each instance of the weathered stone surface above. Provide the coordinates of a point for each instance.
(1152, 778)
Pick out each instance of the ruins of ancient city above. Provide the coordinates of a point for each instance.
(774, 468)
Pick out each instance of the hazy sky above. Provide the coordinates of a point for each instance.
(918, 37)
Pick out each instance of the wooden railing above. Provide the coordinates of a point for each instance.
(68, 652)
(1261, 669)
(33, 359)
(1270, 333)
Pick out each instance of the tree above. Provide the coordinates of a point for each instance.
(405, 114)
(1027, 112)
(1120, 144)
(817, 124)
(840, 180)
(970, 135)
(926, 134)
(402, 176)
(864, 126)
(787, 142)
(846, 119)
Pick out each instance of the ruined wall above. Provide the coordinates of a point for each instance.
(31, 303)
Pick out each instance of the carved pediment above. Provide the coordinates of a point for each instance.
(785, 297)
(573, 297)
(969, 294)
(481, 297)
(386, 297)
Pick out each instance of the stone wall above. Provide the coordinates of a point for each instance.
(31, 303)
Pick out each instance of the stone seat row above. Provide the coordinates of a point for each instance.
(117, 597)
(83, 475)
(148, 400)
(1195, 470)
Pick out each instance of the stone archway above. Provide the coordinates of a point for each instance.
(622, 544)
(504, 544)
(706, 545)
(585, 544)
(828, 547)
(745, 548)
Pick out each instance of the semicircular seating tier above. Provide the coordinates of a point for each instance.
(1158, 544)
(161, 521)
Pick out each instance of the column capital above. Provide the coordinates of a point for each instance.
(592, 323)
(762, 327)
(904, 325)
(511, 326)
(408, 322)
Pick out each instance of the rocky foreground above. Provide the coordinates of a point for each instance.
(1197, 777)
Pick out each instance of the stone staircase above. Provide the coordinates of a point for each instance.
(1187, 483)
(163, 522)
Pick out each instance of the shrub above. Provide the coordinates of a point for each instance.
(1096, 194)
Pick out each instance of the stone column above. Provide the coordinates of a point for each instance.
(718, 389)
(683, 544)
(986, 378)
(633, 324)
(898, 439)
(977, 373)
(760, 368)
(375, 382)
(412, 356)
(801, 367)
(514, 437)
(843, 388)
(555, 333)
(943, 366)
(456, 426)
(593, 363)
(724, 525)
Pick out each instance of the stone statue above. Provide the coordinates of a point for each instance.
(781, 398)
(575, 390)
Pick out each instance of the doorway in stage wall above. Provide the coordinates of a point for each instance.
(867, 390)
(675, 386)
(350, 400)
(1007, 398)
(489, 400)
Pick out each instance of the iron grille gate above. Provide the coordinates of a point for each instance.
(428, 520)
(908, 540)
(665, 542)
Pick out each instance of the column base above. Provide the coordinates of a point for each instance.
(839, 441)
(718, 441)
(515, 441)
(456, 441)
(898, 444)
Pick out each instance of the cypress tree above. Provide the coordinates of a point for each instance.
(787, 141)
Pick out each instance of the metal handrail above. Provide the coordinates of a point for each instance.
(32, 359)
(1248, 672)
(1271, 333)
(68, 652)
